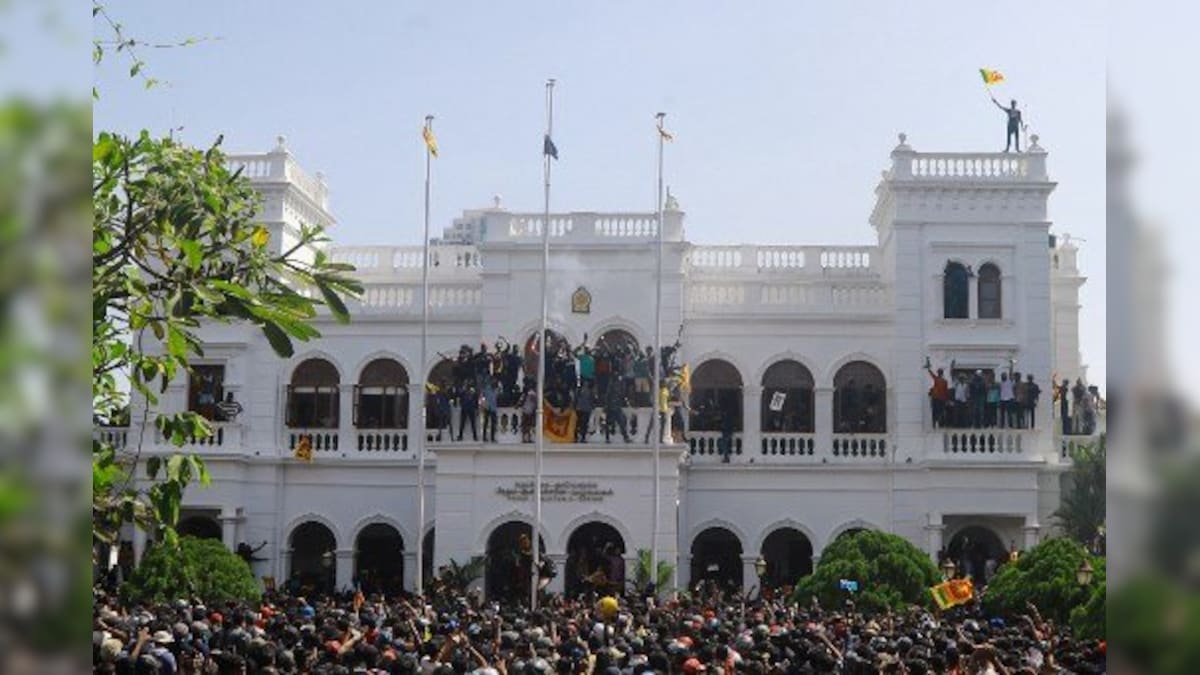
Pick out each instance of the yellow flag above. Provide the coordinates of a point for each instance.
(430, 140)
(990, 76)
(667, 136)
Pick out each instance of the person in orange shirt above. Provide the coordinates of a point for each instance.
(938, 395)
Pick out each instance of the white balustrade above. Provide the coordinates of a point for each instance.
(279, 166)
(406, 260)
(324, 442)
(853, 258)
(1068, 445)
(982, 442)
(872, 448)
(720, 295)
(969, 166)
(706, 447)
(384, 442)
(224, 435)
(788, 446)
(118, 437)
(625, 225)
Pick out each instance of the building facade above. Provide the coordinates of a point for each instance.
(814, 358)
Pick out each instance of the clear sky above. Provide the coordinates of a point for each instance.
(784, 112)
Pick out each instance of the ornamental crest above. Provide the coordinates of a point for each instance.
(581, 301)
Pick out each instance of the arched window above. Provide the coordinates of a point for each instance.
(312, 397)
(716, 399)
(955, 292)
(989, 291)
(859, 399)
(787, 398)
(381, 396)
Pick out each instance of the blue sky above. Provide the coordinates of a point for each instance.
(784, 112)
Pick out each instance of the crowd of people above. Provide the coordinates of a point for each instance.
(454, 633)
(1078, 407)
(596, 382)
(979, 400)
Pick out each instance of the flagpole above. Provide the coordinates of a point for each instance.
(658, 365)
(424, 435)
(535, 539)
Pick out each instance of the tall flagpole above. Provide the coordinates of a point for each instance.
(424, 436)
(658, 365)
(535, 539)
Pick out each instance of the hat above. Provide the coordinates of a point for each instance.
(693, 665)
(162, 637)
(110, 649)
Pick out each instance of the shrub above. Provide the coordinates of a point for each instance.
(891, 572)
(1045, 576)
(195, 568)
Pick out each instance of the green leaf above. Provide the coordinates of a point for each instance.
(278, 339)
(335, 304)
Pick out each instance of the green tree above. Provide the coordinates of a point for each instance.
(662, 578)
(176, 244)
(460, 577)
(1047, 576)
(191, 568)
(1082, 511)
(891, 572)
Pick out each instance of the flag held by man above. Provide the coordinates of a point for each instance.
(990, 76)
(952, 593)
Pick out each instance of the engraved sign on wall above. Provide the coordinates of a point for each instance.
(556, 491)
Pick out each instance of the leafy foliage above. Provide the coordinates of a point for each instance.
(1046, 576)
(662, 577)
(1159, 626)
(890, 571)
(1090, 619)
(1082, 512)
(175, 243)
(191, 568)
(458, 577)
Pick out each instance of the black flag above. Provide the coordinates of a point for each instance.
(548, 147)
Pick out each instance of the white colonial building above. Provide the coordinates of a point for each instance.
(962, 268)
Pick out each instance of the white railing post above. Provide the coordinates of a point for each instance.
(902, 159)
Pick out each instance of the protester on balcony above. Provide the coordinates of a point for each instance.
(468, 410)
(939, 394)
(1015, 125)
(585, 402)
(1007, 402)
(993, 400)
(529, 405)
(489, 398)
(725, 443)
(1032, 393)
(1078, 395)
(977, 393)
(664, 407)
(1020, 393)
(586, 363)
(614, 411)
(1061, 394)
(962, 394)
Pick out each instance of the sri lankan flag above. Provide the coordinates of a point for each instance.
(990, 76)
(430, 140)
(953, 592)
(558, 427)
(304, 448)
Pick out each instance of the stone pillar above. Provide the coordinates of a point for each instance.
(139, 545)
(229, 521)
(749, 575)
(410, 571)
(936, 531)
(1031, 529)
(683, 572)
(823, 420)
(558, 583)
(751, 420)
(416, 408)
(346, 440)
(344, 574)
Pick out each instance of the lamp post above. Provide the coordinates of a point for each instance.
(1084, 574)
(760, 568)
(948, 568)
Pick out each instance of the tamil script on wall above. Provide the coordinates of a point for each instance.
(557, 491)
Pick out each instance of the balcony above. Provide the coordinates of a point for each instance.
(791, 448)
(226, 438)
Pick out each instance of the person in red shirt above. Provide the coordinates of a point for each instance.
(939, 393)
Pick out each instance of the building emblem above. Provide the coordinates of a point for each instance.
(581, 301)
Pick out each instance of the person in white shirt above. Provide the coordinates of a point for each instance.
(1007, 401)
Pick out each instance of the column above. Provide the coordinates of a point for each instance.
(410, 571)
(229, 520)
(346, 440)
(751, 419)
(749, 575)
(416, 407)
(823, 420)
(558, 583)
(683, 572)
(139, 545)
(1031, 529)
(344, 577)
(935, 530)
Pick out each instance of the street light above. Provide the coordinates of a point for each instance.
(327, 559)
(760, 567)
(1085, 572)
(948, 568)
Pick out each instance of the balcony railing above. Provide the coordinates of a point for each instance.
(983, 442)
(810, 261)
(278, 166)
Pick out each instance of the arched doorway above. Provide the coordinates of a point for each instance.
(381, 396)
(787, 398)
(859, 399)
(379, 559)
(717, 557)
(531, 356)
(788, 554)
(970, 549)
(312, 395)
(200, 527)
(509, 560)
(716, 396)
(314, 558)
(595, 559)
